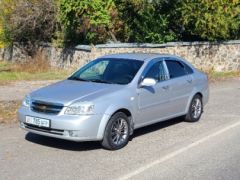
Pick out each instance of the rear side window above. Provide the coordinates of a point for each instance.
(188, 69)
(175, 68)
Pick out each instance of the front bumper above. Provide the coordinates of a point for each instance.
(68, 127)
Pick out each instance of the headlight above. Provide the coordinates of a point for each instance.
(27, 101)
(81, 108)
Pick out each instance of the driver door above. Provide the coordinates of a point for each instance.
(154, 101)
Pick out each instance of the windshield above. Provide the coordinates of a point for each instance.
(112, 71)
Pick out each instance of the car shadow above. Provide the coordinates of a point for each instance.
(62, 144)
(156, 127)
(88, 146)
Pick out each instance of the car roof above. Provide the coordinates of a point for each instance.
(138, 56)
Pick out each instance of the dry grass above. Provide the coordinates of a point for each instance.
(37, 68)
(38, 64)
(8, 111)
(218, 76)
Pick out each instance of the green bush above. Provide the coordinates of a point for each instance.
(71, 22)
(208, 19)
(145, 21)
(6, 7)
(86, 21)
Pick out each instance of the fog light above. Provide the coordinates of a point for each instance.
(22, 124)
(72, 133)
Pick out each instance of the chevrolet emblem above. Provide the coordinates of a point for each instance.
(42, 107)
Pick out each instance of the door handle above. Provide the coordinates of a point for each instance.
(165, 87)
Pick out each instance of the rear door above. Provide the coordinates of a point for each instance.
(181, 86)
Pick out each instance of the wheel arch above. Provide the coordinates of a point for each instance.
(107, 117)
(191, 97)
(198, 93)
(123, 110)
(128, 113)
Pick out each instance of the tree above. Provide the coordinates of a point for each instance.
(208, 19)
(145, 21)
(1, 34)
(69, 22)
(89, 21)
(33, 20)
(28, 21)
(6, 8)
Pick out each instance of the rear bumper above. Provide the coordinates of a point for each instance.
(205, 95)
(68, 127)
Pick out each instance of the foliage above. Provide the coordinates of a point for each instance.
(89, 21)
(33, 20)
(27, 21)
(1, 35)
(209, 19)
(6, 8)
(145, 21)
(70, 22)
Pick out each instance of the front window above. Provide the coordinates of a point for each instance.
(157, 72)
(112, 71)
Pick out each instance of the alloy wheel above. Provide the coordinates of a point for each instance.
(119, 131)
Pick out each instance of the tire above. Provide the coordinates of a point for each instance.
(195, 109)
(117, 131)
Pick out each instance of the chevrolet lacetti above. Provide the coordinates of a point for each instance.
(110, 97)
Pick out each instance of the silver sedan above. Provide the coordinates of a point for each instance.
(110, 97)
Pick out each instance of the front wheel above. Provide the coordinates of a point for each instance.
(195, 110)
(116, 134)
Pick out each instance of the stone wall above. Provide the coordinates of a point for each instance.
(224, 56)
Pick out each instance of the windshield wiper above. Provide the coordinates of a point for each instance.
(89, 80)
(77, 79)
(100, 81)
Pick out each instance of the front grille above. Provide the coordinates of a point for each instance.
(43, 129)
(45, 107)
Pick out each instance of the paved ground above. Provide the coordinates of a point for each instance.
(208, 149)
(17, 91)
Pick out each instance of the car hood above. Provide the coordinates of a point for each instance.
(68, 91)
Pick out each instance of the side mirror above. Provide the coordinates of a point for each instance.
(148, 82)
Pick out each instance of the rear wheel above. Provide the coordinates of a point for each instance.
(195, 109)
(116, 134)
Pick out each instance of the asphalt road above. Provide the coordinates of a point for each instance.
(208, 149)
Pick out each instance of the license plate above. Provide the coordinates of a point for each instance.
(38, 121)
